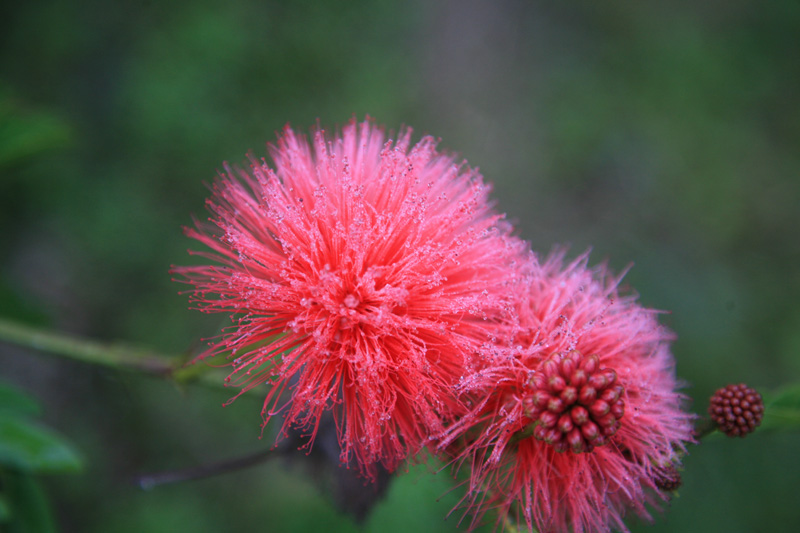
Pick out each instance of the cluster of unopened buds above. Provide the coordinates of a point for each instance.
(574, 403)
(736, 410)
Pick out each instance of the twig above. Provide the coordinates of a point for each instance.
(150, 481)
(113, 355)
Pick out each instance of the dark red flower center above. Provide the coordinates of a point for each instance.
(573, 403)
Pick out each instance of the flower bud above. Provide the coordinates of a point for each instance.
(574, 402)
(668, 478)
(736, 410)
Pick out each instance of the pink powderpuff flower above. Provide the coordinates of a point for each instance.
(580, 424)
(364, 276)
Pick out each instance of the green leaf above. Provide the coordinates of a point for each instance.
(29, 511)
(782, 409)
(25, 133)
(5, 510)
(30, 447)
(13, 400)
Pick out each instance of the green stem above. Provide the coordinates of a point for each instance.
(114, 355)
(704, 427)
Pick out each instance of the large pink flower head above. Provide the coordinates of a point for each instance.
(580, 424)
(364, 277)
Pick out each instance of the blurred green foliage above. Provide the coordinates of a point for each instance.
(783, 409)
(663, 134)
(28, 449)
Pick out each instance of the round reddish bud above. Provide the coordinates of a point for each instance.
(575, 403)
(552, 435)
(607, 420)
(667, 478)
(556, 383)
(578, 378)
(604, 378)
(548, 419)
(590, 431)
(538, 381)
(569, 365)
(579, 415)
(612, 394)
(590, 364)
(736, 409)
(529, 407)
(609, 431)
(555, 405)
(565, 424)
(599, 408)
(569, 395)
(598, 381)
(540, 398)
(550, 367)
(575, 440)
(587, 395)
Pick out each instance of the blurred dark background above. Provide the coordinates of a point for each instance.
(662, 134)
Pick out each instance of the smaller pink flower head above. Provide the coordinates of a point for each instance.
(575, 429)
(364, 277)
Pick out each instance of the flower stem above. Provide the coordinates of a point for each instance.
(704, 427)
(114, 355)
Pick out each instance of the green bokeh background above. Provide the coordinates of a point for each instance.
(660, 134)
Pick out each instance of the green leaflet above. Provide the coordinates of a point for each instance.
(25, 133)
(26, 509)
(30, 447)
(27, 445)
(13, 400)
(782, 409)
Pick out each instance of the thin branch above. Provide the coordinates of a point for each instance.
(106, 354)
(151, 481)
